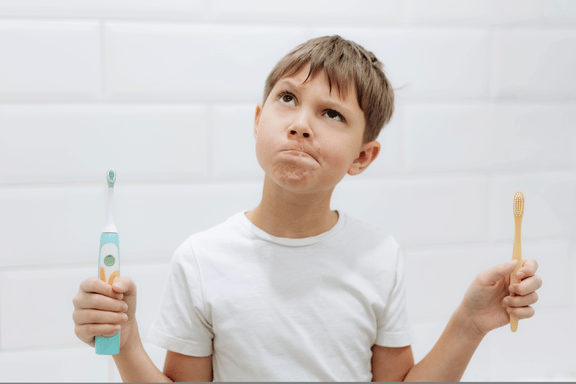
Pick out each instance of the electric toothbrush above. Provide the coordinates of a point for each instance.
(109, 264)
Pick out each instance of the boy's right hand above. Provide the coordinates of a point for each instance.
(101, 309)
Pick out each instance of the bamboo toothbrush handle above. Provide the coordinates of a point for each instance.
(516, 255)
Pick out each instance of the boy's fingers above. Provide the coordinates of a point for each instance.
(529, 268)
(521, 312)
(95, 285)
(521, 301)
(527, 286)
(494, 274)
(124, 285)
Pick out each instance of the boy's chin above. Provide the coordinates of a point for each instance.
(298, 182)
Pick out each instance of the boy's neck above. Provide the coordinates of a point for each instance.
(282, 213)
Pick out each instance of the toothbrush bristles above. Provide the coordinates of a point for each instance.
(518, 204)
(111, 176)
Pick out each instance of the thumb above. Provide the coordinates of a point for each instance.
(123, 285)
(496, 273)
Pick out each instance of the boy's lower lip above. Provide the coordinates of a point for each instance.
(299, 153)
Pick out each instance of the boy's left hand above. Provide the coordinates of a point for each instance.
(488, 301)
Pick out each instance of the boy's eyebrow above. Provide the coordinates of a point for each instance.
(294, 84)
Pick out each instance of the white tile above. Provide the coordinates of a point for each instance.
(76, 143)
(193, 61)
(150, 9)
(534, 64)
(47, 60)
(419, 211)
(549, 206)
(234, 153)
(556, 266)
(20, 325)
(38, 316)
(437, 279)
(542, 347)
(429, 63)
(50, 225)
(488, 136)
(79, 364)
(165, 215)
(152, 220)
(474, 12)
(559, 12)
(302, 11)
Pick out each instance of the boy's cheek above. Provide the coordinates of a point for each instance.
(263, 152)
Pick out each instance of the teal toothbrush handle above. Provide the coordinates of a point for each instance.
(108, 270)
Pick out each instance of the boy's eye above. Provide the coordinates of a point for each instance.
(334, 115)
(286, 98)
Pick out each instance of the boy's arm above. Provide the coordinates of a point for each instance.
(391, 363)
(449, 358)
(486, 306)
(447, 361)
(135, 365)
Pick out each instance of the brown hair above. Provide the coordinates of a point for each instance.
(346, 63)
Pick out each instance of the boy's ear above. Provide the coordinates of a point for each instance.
(257, 117)
(368, 153)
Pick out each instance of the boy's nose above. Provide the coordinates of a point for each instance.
(300, 132)
(300, 128)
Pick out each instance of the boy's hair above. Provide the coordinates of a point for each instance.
(346, 63)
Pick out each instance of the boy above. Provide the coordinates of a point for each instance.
(292, 291)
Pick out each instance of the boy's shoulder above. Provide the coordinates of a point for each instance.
(213, 239)
(221, 231)
(367, 232)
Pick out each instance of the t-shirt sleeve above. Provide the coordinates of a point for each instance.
(394, 328)
(181, 324)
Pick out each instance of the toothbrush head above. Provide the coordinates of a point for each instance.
(518, 204)
(111, 177)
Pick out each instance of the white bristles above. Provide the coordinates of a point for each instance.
(518, 204)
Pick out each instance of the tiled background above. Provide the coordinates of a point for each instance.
(165, 92)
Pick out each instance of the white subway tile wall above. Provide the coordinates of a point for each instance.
(166, 91)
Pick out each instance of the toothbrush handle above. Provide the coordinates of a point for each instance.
(108, 271)
(516, 255)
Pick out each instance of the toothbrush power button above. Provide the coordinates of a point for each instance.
(109, 260)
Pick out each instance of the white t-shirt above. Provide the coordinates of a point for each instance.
(278, 309)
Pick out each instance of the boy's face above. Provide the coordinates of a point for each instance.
(308, 138)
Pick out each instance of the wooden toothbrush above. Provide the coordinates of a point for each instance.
(518, 209)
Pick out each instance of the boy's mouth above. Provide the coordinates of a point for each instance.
(299, 152)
